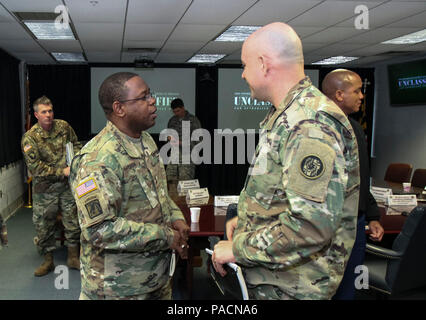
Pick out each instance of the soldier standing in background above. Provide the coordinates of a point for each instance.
(344, 88)
(44, 151)
(296, 220)
(129, 223)
(178, 172)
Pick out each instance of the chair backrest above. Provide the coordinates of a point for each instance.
(409, 272)
(398, 172)
(419, 178)
(231, 212)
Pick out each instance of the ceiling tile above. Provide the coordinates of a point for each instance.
(172, 57)
(148, 32)
(333, 34)
(389, 12)
(327, 13)
(31, 6)
(215, 12)
(104, 11)
(379, 35)
(181, 47)
(96, 56)
(195, 32)
(156, 11)
(13, 30)
(264, 12)
(35, 57)
(20, 46)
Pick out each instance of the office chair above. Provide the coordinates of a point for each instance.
(398, 172)
(401, 270)
(419, 178)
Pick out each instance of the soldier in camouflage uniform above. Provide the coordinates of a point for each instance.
(178, 172)
(44, 151)
(129, 223)
(297, 211)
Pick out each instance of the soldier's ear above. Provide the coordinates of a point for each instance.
(118, 109)
(339, 95)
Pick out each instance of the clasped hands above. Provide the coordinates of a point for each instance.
(180, 238)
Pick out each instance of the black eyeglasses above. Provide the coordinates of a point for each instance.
(144, 98)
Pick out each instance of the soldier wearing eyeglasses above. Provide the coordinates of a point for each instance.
(129, 223)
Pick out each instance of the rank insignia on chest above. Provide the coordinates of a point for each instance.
(312, 167)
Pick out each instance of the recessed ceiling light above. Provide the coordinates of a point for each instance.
(69, 56)
(237, 33)
(206, 58)
(49, 30)
(336, 60)
(411, 38)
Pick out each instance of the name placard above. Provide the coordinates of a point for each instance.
(185, 185)
(402, 200)
(197, 197)
(224, 201)
(380, 194)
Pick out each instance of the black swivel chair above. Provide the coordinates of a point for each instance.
(400, 271)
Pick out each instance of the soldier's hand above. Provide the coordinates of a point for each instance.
(222, 254)
(179, 245)
(66, 171)
(230, 227)
(182, 228)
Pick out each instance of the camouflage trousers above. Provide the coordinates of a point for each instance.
(50, 199)
(178, 172)
(164, 293)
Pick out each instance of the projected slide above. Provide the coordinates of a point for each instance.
(166, 84)
(237, 109)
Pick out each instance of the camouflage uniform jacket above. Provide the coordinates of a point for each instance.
(125, 216)
(175, 123)
(45, 152)
(297, 211)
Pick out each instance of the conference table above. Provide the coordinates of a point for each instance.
(212, 223)
(392, 224)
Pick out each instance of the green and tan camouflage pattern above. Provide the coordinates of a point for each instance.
(179, 172)
(45, 157)
(296, 228)
(126, 221)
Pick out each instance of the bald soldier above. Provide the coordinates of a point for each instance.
(129, 224)
(297, 211)
(344, 87)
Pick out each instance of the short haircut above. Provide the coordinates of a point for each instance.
(114, 89)
(177, 103)
(42, 100)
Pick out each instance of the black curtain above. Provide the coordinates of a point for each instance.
(68, 87)
(10, 110)
(365, 115)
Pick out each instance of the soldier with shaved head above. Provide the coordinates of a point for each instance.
(297, 211)
(344, 87)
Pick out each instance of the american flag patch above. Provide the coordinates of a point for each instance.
(27, 147)
(86, 187)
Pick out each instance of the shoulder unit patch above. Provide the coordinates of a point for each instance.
(312, 167)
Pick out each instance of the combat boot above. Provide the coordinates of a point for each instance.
(46, 266)
(73, 260)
